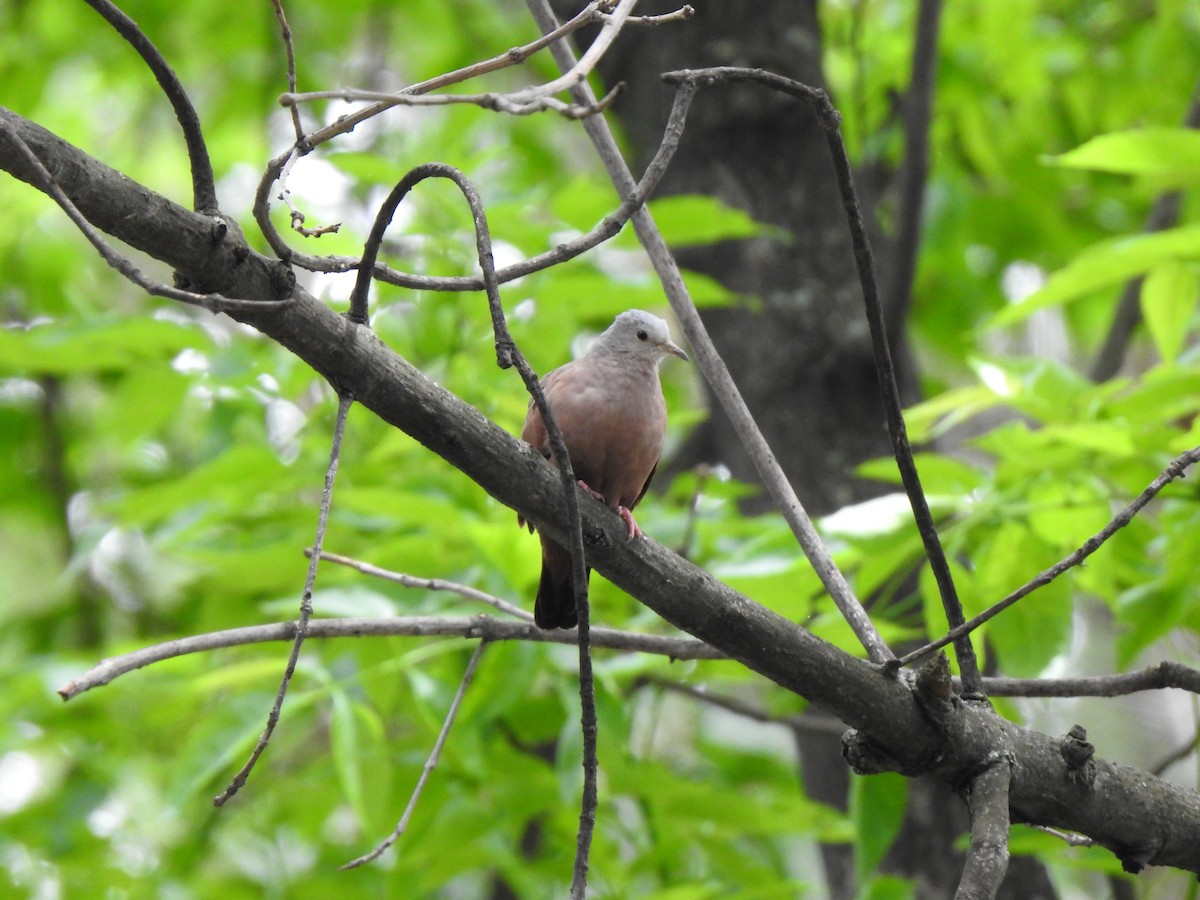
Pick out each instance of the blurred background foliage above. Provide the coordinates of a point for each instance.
(164, 466)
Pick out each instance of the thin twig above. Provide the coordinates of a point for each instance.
(430, 584)
(1068, 838)
(430, 763)
(474, 627)
(1166, 674)
(713, 367)
(306, 609)
(508, 354)
(682, 14)
(214, 303)
(1181, 752)
(286, 33)
(609, 226)
(502, 103)
(204, 190)
(1090, 546)
(577, 74)
(515, 56)
(829, 119)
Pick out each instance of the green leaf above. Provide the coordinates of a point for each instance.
(687, 220)
(877, 804)
(100, 345)
(1171, 155)
(1104, 265)
(347, 755)
(1168, 301)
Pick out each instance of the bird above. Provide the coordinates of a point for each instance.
(609, 407)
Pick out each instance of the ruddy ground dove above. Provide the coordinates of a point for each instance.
(609, 407)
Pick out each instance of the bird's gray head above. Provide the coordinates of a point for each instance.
(640, 334)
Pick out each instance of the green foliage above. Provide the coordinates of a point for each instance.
(165, 465)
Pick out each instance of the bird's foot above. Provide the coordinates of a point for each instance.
(586, 487)
(630, 523)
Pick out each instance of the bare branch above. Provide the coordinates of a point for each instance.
(884, 370)
(306, 609)
(515, 56)
(472, 627)
(430, 763)
(815, 723)
(682, 14)
(1165, 674)
(502, 103)
(1090, 546)
(576, 74)
(605, 229)
(430, 584)
(987, 856)
(204, 190)
(290, 50)
(713, 367)
(214, 303)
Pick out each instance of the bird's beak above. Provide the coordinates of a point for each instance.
(675, 350)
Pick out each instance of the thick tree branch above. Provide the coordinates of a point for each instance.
(1142, 819)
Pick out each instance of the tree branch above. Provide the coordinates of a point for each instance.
(469, 627)
(1090, 546)
(430, 763)
(1165, 674)
(829, 118)
(204, 189)
(987, 856)
(306, 607)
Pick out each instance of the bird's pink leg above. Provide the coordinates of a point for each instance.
(631, 524)
(583, 484)
(634, 530)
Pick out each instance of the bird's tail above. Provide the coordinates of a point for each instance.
(555, 603)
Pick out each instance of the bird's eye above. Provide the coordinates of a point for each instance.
(642, 334)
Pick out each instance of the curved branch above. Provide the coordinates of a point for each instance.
(434, 755)
(204, 188)
(605, 229)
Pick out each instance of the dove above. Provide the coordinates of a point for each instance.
(609, 406)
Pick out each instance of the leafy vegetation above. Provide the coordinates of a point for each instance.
(165, 465)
